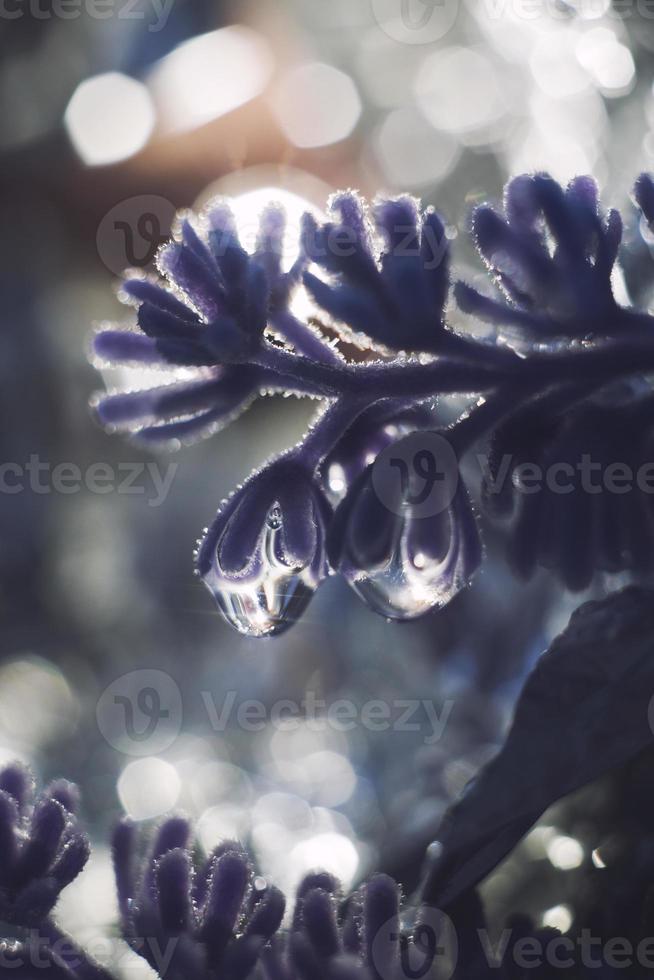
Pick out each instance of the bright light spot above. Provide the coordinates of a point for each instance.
(214, 782)
(330, 777)
(420, 560)
(336, 478)
(386, 69)
(513, 34)
(90, 900)
(283, 810)
(609, 63)
(210, 75)
(597, 860)
(555, 67)
(412, 154)
(538, 840)
(565, 853)
(458, 91)
(109, 118)
(247, 207)
(36, 703)
(316, 104)
(219, 823)
(591, 9)
(559, 917)
(332, 852)
(148, 787)
(564, 137)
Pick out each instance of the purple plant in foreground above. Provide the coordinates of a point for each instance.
(42, 846)
(564, 356)
(216, 918)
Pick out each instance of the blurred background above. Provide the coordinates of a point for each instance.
(116, 113)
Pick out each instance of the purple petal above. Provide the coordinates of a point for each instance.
(173, 885)
(127, 346)
(162, 299)
(319, 921)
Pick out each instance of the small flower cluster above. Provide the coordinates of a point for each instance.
(189, 918)
(42, 846)
(564, 374)
(215, 918)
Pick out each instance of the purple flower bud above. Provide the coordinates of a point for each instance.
(397, 301)
(264, 555)
(403, 551)
(210, 318)
(372, 432)
(182, 412)
(42, 845)
(552, 255)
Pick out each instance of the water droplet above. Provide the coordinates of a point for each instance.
(268, 607)
(275, 518)
(405, 589)
(270, 603)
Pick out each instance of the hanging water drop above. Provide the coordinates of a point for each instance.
(271, 600)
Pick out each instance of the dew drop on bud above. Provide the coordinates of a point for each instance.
(405, 589)
(274, 600)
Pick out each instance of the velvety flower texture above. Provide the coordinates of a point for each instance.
(566, 366)
(41, 844)
(551, 254)
(397, 298)
(217, 918)
(401, 561)
(265, 553)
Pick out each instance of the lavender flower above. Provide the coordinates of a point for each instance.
(205, 323)
(42, 846)
(192, 921)
(551, 255)
(398, 301)
(215, 918)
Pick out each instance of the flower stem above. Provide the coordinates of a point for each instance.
(329, 427)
